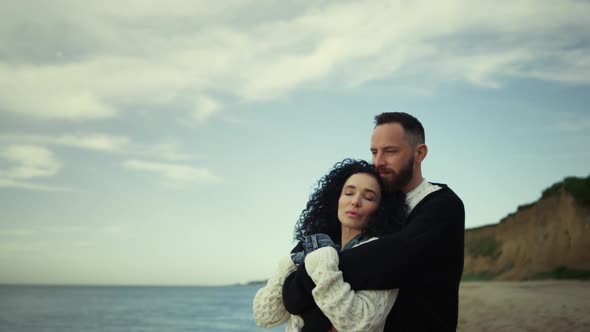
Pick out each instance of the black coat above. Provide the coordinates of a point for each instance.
(424, 260)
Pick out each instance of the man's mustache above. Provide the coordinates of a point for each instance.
(385, 170)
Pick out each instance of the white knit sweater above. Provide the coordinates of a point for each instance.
(269, 310)
(347, 310)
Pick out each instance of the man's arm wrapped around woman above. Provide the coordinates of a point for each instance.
(348, 310)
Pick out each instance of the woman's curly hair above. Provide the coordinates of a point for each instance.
(321, 212)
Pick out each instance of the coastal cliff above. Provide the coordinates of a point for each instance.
(549, 238)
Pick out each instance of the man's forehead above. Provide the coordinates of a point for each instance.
(389, 129)
(388, 137)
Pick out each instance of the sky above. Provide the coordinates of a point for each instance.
(176, 142)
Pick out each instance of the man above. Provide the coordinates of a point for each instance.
(425, 259)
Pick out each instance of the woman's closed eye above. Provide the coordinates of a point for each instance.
(370, 197)
(349, 192)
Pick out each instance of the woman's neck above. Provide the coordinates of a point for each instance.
(348, 234)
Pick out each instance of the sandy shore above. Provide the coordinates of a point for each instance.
(525, 306)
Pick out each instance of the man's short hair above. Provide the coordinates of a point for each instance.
(412, 127)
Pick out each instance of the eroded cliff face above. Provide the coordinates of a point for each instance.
(552, 232)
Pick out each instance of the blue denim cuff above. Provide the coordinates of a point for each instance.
(298, 257)
(316, 241)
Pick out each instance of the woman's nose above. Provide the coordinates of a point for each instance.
(356, 201)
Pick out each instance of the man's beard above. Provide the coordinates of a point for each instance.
(401, 179)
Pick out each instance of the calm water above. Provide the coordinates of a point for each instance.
(127, 309)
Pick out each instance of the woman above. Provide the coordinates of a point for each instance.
(348, 207)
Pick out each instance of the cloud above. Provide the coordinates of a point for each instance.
(205, 109)
(21, 163)
(28, 162)
(170, 150)
(8, 183)
(90, 61)
(99, 142)
(175, 173)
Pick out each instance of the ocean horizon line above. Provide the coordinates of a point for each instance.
(122, 285)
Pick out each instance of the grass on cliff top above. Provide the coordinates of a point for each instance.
(484, 246)
(578, 187)
(564, 272)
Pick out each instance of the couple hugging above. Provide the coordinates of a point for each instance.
(380, 248)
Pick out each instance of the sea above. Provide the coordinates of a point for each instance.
(127, 309)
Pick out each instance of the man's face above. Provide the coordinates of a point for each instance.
(393, 156)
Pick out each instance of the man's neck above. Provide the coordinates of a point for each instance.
(416, 185)
(415, 182)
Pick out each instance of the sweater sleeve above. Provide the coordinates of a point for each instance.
(347, 310)
(269, 310)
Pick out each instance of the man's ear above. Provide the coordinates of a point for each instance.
(420, 153)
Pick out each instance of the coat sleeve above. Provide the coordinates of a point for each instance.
(347, 310)
(430, 245)
(297, 288)
(269, 310)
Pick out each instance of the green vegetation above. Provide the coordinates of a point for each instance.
(484, 246)
(482, 276)
(564, 272)
(578, 187)
(486, 275)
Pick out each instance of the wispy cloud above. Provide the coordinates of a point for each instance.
(206, 107)
(29, 162)
(175, 173)
(21, 164)
(184, 52)
(8, 183)
(87, 141)
(98, 142)
(170, 150)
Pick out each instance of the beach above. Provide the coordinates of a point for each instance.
(524, 306)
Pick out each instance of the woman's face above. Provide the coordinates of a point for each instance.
(359, 199)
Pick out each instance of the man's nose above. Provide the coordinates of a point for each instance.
(378, 160)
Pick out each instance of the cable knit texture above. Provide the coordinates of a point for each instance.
(269, 310)
(347, 310)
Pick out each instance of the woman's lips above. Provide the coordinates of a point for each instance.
(353, 214)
